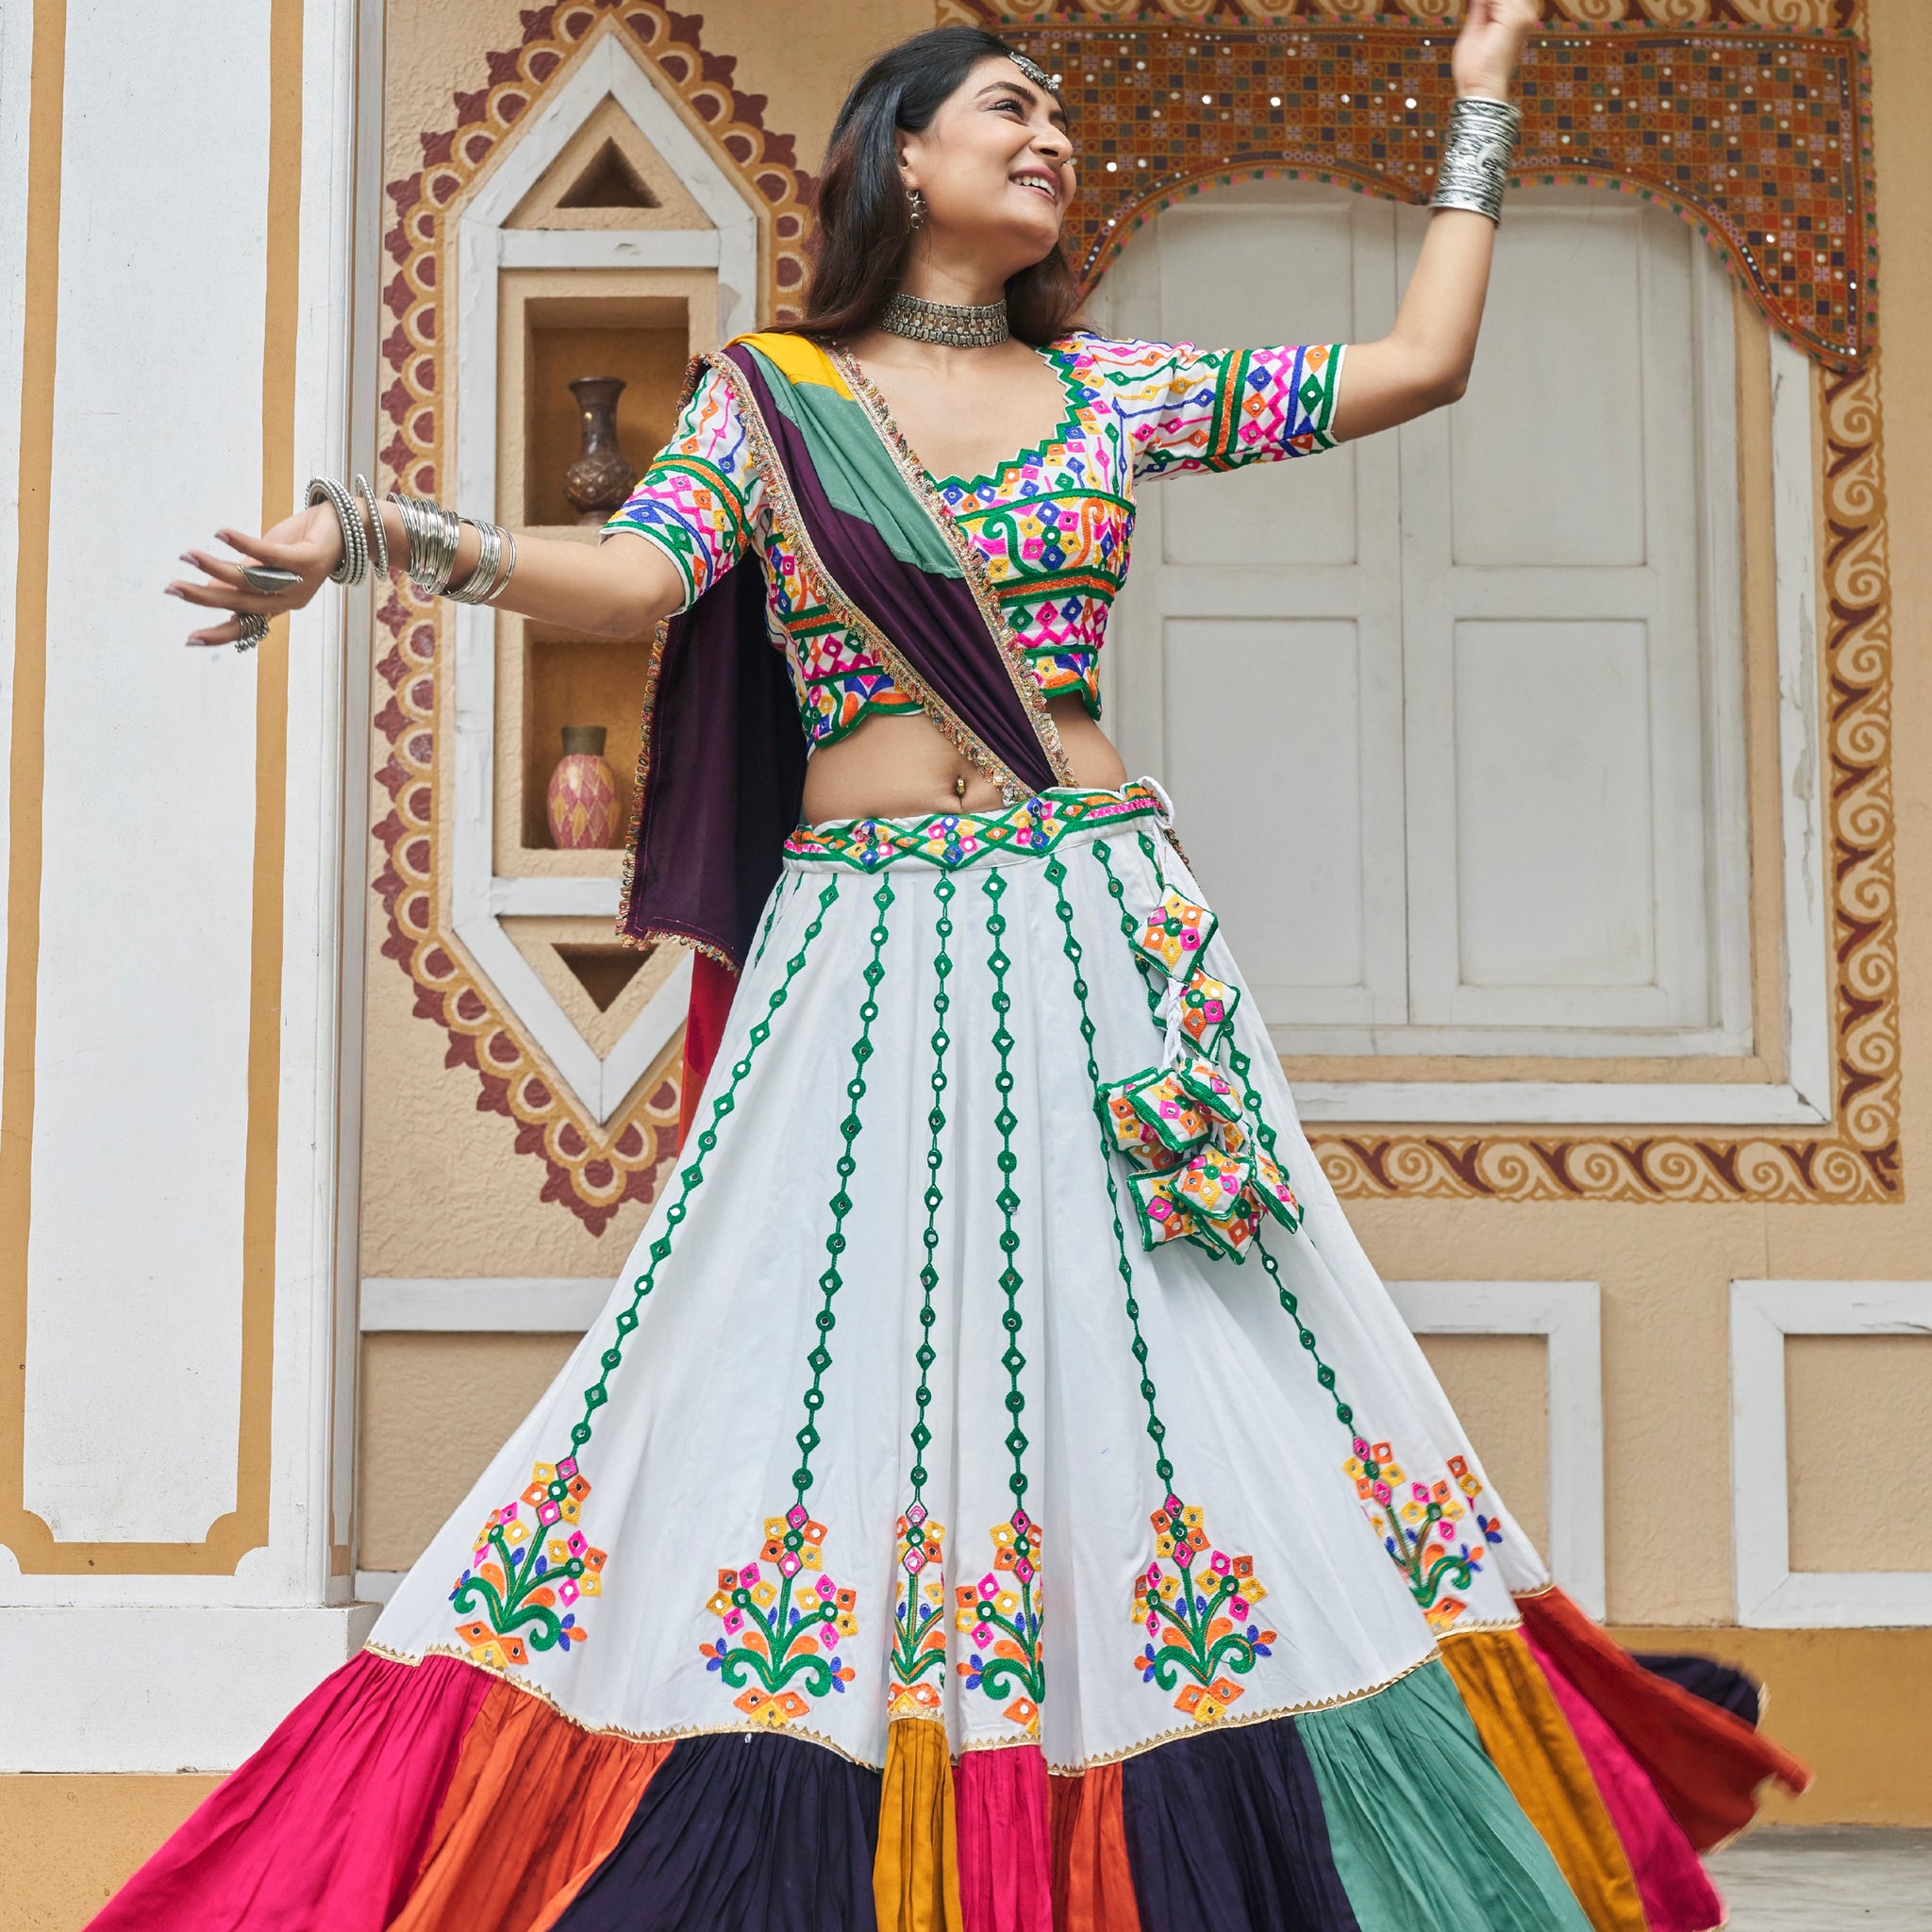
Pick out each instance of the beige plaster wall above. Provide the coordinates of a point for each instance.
(1499, 1385)
(1858, 1417)
(801, 58)
(434, 1409)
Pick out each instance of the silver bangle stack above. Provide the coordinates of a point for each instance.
(434, 534)
(496, 562)
(1477, 153)
(355, 564)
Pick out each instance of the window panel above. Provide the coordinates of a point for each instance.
(1278, 512)
(1553, 805)
(1288, 803)
(1547, 448)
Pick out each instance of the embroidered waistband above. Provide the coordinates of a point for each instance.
(949, 840)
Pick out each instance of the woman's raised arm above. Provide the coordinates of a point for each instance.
(619, 588)
(1426, 358)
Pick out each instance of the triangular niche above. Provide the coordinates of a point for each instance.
(609, 175)
(609, 181)
(601, 985)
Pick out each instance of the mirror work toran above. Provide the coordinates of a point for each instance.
(1751, 118)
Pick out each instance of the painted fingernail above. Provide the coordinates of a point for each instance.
(170, 590)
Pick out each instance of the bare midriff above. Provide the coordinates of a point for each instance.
(902, 767)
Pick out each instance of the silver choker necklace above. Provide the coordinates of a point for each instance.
(980, 326)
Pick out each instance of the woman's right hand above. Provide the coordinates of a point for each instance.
(310, 544)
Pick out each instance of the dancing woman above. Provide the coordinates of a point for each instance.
(999, 1492)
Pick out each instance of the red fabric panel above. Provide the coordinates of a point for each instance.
(1677, 1891)
(712, 984)
(1005, 1852)
(1706, 1764)
(324, 1828)
(1093, 1884)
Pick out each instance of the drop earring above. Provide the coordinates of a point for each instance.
(915, 207)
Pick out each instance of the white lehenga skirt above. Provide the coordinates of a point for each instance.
(922, 1396)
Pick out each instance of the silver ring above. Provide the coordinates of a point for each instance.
(254, 629)
(267, 581)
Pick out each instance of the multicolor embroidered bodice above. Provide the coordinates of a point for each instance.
(1054, 523)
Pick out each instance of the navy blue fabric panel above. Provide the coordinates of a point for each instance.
(741, 1832)
(1703, 1677)
(1225, 1830)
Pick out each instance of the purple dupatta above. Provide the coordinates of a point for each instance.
(720, 774)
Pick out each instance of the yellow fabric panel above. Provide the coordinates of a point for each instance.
(915, 1874)
(799, 359)
(1528, 1741)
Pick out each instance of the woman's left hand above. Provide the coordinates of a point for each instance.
(1491, 45)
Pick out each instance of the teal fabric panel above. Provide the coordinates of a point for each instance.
(1425, 1832)
(858, 472)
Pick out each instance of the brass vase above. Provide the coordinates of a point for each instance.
(601, 478)
(581, 800)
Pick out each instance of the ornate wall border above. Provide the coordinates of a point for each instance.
(592, 1171)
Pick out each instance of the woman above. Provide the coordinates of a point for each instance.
(999, 1493)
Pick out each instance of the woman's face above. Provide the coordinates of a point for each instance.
(995, 166)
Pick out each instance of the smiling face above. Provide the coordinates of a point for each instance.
(995, 167)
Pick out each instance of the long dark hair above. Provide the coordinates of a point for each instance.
(865, 227)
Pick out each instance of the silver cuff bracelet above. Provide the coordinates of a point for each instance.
(1476, 154)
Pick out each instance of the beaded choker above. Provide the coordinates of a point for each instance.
(980, 326)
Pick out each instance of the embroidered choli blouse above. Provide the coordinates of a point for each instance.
(1053, 522)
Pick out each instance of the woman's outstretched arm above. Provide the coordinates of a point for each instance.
(1424, 361)
(617, 589)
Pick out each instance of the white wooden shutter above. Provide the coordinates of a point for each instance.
(1454, 715)
(1562, 862)
(1256, 658)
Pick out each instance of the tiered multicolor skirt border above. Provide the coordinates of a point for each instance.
(999, 1497)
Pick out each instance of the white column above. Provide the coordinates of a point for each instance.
(190, 193)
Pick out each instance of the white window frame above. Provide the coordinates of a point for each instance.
(1770, 1593)
(1568, 1316)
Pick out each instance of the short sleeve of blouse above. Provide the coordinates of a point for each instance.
(697, 499)
(1189, 408)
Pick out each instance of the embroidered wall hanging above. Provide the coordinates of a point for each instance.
(1751, 118)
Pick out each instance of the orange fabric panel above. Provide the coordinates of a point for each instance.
(535, 1805)
(1092, 1885)
(1706, 1765)
(1531, 1744)
(915, 1872)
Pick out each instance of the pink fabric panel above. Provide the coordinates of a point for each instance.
(1677, 1891)
(1006, 1847)
(324, 1828)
